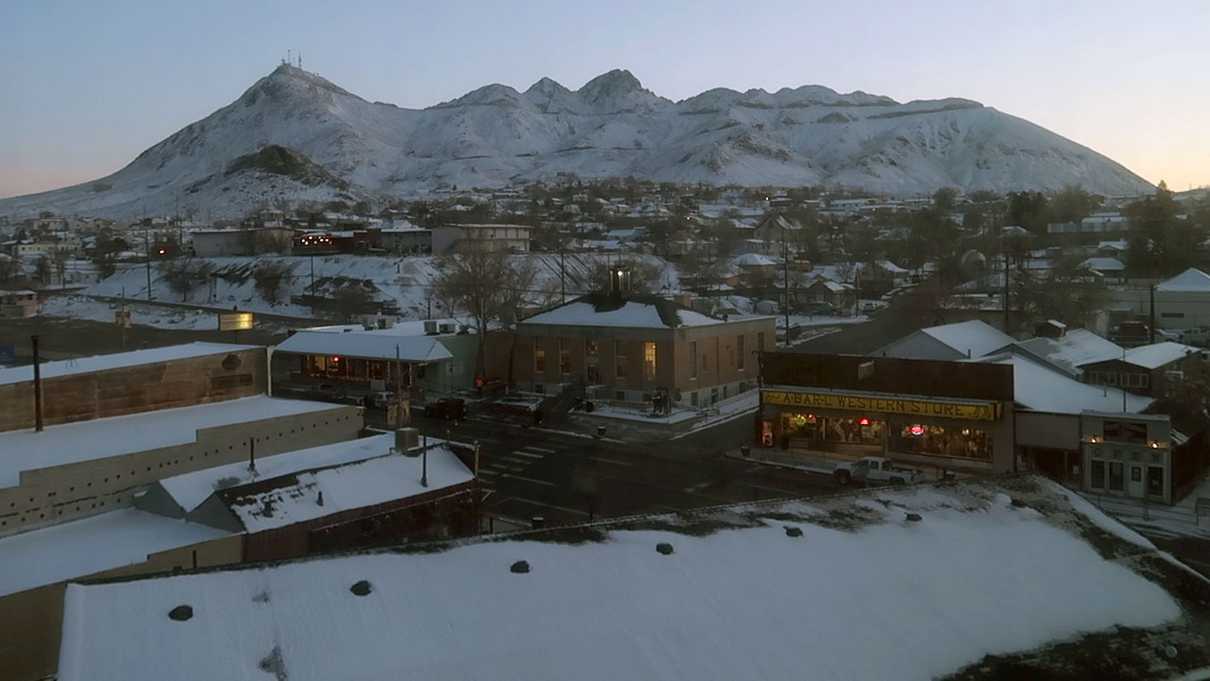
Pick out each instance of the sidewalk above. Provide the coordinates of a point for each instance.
(819, 463)
(1177, 520)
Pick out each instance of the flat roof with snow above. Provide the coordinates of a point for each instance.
(189, 490)
(1041, 388)
(862, 594)
(1157, 355)
(24, 450)
(83, 547)
(366, 345)
(377, 480)
(120, 360)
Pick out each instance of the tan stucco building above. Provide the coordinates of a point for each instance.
(625, 349)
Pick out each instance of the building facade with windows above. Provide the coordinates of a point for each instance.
(628, 349)
(953, 415)
(1129, 455)
(456, 238)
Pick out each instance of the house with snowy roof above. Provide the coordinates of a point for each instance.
(628, 348)
(1183, 302)
(984, 583)
(1154, 370)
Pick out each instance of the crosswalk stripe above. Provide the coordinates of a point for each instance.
(540, 449)
(528, 455)
(536, 482)
(516, 460)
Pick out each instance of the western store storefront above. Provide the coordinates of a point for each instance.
(952, 415)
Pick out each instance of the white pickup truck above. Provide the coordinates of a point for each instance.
(865, 469)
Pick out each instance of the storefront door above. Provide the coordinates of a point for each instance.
(1134, 484)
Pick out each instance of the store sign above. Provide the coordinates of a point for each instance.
(971, 411)
(235, 321)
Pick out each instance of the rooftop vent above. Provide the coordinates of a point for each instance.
(181, 613)
(793, 531)
(664, 548)
(361, 588)
(914, 518)
(406, 439)
(520, 567)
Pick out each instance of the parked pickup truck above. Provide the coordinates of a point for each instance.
(866, 469)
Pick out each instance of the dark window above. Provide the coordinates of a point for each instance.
(1098, 474)
(1136, 474)
(1155, 481)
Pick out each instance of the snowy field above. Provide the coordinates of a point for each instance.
(862, 594)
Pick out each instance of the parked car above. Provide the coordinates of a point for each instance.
(446, 408)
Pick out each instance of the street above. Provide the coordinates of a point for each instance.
(566, 477)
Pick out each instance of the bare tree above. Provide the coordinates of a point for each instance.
(269, 277)
(349, 301)
(184, 274)
(489, 286)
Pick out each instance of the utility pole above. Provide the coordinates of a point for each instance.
(562, 271)
(147, 247)
(785, 264)
(37, 385)
(1007, 326)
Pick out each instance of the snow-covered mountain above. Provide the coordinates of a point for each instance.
(296, 136)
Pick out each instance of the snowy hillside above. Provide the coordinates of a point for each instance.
(404, 281)
(336, 144)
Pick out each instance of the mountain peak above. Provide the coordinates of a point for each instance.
(546, 85)
(617, 81)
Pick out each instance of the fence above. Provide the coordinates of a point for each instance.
(1195, 515)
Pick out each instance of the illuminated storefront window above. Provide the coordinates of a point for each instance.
(804, 429)
(920, 438)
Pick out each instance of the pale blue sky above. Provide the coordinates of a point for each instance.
(88, 85)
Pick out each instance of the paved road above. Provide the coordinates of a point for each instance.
(568, 478)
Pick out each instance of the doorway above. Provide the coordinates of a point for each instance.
(1134, 486)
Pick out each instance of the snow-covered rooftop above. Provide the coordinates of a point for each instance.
(862, 594)
(1041, 388)
(1104, 265)
(348, 486)
(1157, 355)
(83, 547)
(1072, 350)
(189, 490)
(974, 336)
(1191, 280)
(25, 450)
(630, 314)
(119, 360)
(366, 345)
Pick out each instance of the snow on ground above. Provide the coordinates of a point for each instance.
(885, 599)
(82, 547)
(405, 280)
